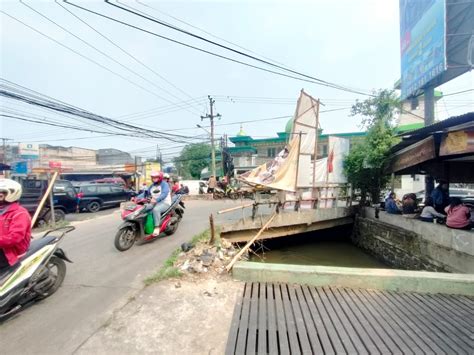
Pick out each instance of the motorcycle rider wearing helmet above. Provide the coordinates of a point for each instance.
(15, 224)
(167, 179)
(159, 191)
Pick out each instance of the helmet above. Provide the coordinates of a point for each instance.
(11, 188)
(157, 174)
(166, 176)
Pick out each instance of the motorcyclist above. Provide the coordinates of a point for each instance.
(15, 222)
(159, 192)
(184, 190)
(167, 178)
(175, 188)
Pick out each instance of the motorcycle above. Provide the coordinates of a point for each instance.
(38, 273)
(138, 223)
(226, 192)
